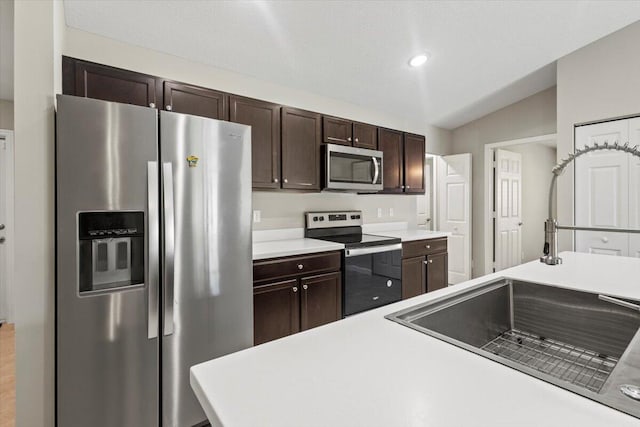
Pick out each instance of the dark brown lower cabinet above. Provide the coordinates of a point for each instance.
(320, 300)
(293, 294)
(437, 271)
(276, 311)
(424, 266)
(413, 277)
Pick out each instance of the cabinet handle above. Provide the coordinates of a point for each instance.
(152, 105)
(168, 108)
(408, 187)
(357, 140)
(402, 187)
(430, 261)
(425, 262)
(285, 180)
(305, 287)
(295, 289)
(275, 180)
(300, 266)
(428, 246)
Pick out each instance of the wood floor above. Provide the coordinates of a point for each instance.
(7, 376)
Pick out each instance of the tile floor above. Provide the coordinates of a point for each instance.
(7, 376)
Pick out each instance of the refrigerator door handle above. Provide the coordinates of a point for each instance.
(169, 241)
(153, 248)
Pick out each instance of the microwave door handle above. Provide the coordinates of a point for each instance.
(377, 170)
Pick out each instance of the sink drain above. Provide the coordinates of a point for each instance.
(631, 391)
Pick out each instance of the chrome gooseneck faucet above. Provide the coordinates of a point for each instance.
(551, 226)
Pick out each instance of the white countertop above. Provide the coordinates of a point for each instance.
(412, 234)
(290, 247)
(368, 371)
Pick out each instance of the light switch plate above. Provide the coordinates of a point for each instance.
(390, 211)
(379, 212)
(256, 216)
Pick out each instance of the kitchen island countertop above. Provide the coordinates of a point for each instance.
(368, 371)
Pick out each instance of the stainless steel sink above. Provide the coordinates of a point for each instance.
(583, 342)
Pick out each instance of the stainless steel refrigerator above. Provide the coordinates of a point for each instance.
(153, 259)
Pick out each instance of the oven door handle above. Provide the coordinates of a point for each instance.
(372, 250)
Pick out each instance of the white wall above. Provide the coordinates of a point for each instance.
(533, 116)
(6, 114)
(599, 81)
(34, 213)
(537, 162)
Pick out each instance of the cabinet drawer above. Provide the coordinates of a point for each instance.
(296, 266)
(424, 247)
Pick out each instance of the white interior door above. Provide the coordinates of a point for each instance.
(454, 213)
(6, 226)
(634, 189)
(424, 203)
(508, 209)
(602, 189)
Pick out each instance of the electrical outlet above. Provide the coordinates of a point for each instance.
(256, 216)
(379, 212)
(390, 211)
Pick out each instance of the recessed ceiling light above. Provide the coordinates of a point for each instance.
(418, 60)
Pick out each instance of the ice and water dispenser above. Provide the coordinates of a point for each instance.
(111, 250)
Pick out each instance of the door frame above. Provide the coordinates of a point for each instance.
(8, 272)
(489, 189)
(433, 224)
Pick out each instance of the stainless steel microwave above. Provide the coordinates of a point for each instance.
(352, 169)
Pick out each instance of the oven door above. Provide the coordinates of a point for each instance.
(352, 169)
(372, 277)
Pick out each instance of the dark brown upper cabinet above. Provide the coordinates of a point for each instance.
(81, 78)
(336, 130)
(301, 141)
(365, 136)
(390, 142)
(195, 100)
(414, 163)
(346, 132)
(264, 119)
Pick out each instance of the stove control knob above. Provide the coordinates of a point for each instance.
(315, 218)
(353, 217)
(321, 218)
(389, 283)
(357, 216)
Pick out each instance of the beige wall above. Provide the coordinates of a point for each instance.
(100, 49)
(6, 114)
(599, 81)
(537, 162)
(533, 116)
(34, 227)
(285, 210)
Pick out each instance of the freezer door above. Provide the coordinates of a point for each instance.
(107, 345)
(207, 267)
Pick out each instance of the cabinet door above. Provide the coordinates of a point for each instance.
(264, 119)
(336, 131)
(300, 149)
(276, 311)
(390, 143)
(413, 277)
(437, 272)
(414, 163)
(321, 300)
(198, 101)
(109, 84)
(365, 136)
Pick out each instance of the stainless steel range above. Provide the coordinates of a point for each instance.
(372, 274)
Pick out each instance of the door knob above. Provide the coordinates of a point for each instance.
(605, 239)
(1, 226)
(2, 239)
(519, 224)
